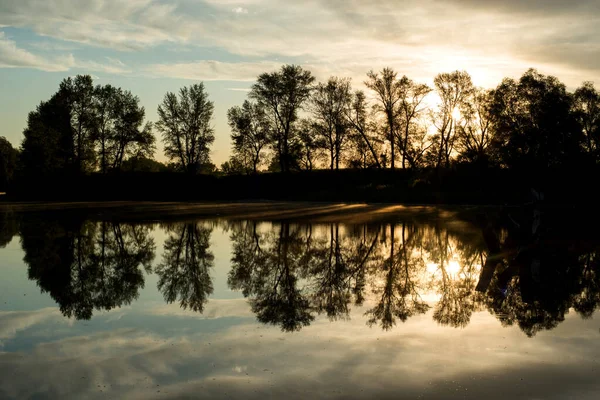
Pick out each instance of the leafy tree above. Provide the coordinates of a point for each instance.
(79, 95)
(310, 145)
(358, 119)
(283, 94)
(328, 103)
(8, 162)
(454, 90)
(410, 109)
(534, 123)
(250, 133)
(389, 91)
(143, 164)
(118, 128)
(475, 133)
(586, 104)
(47, 147)
(184, 122)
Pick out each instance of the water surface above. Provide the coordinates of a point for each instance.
(410, 305)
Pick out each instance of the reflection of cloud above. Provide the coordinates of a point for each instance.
(215, 308)
(342, 359)
(12, 322)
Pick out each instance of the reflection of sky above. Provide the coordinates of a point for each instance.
(153, 350)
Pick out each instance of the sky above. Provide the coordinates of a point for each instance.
(151, 47)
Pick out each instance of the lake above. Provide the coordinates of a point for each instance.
(295, 302)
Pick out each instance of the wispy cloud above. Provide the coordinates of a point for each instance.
(211, 70)
(12, 56)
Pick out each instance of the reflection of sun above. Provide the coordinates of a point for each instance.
(453, 267)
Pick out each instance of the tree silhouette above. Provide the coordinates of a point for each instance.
(79, 93)
(475, 132)
(185, 124)
(410, 109)
(250, 134)
(328, 103)
(389, 91)
(586, 104)
(48, 146)
(362, 139)
(454, 90)
(283, 94)
(8, 162)
(184, 272)
(117, 125)
(534, 125)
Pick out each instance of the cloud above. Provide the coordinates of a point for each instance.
(418, 38)
(129, 25)
(12, 56)
(212, 70)
(112, 66)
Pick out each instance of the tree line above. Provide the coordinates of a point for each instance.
(291, 122)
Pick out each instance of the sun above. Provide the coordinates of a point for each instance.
(453, 267)
(456, 113)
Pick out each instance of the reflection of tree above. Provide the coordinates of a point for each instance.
(86, 265)
(268, 275)
(291, 273)
(455, 278)
(337, 271)
(398, 296)
(8, 227)
(540, 278)
(184, 272)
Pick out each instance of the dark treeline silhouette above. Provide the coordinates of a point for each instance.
(526, 268)
(91, 141)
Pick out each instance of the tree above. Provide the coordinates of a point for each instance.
(48, 147)
(389, 91)
(534, 123)
(79, 94)
(454, 90)
(357, 117)
(475, 133)
(184, 122)
(8, 162)
(311, 145)
(118, 128)
(250, 133)
(586, 104)
(328, 103)
(282, 94)
(410, 109)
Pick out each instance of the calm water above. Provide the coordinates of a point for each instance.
(413, 307)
